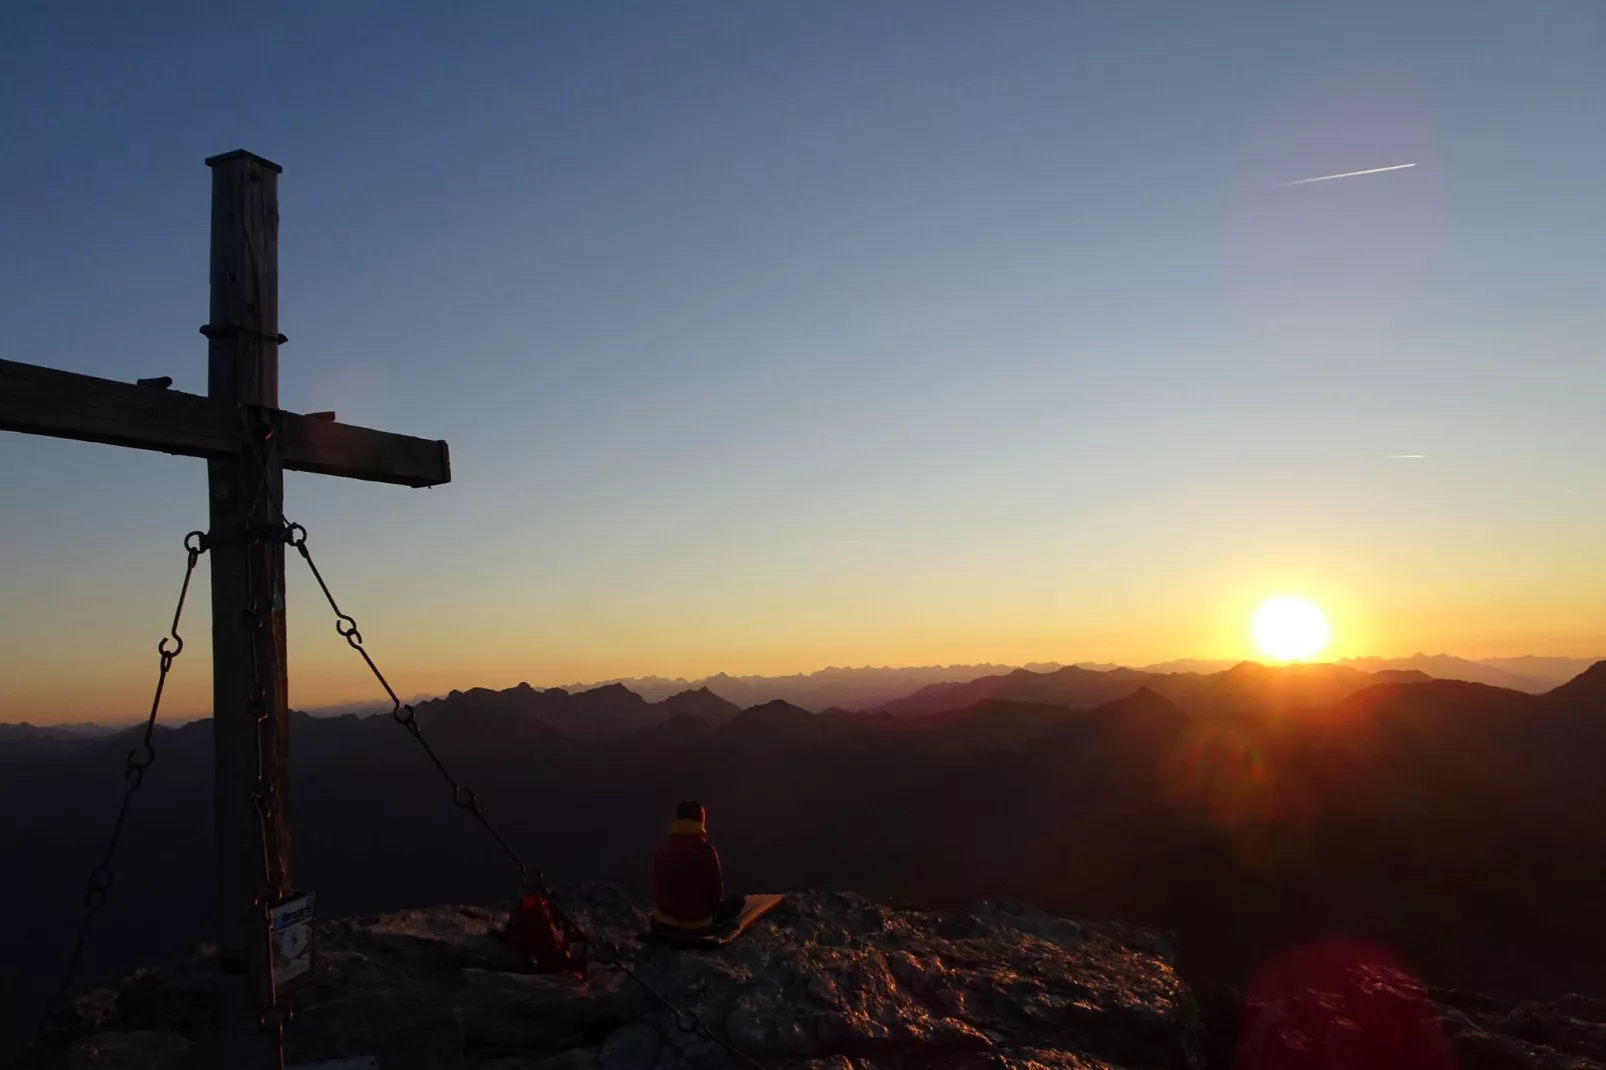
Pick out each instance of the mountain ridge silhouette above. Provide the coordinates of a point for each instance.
(1231, 811)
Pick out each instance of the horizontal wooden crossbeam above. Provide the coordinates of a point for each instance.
(334, 449)
(45, 401)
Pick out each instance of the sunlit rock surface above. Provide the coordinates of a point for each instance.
(834, 982)
(828, 981)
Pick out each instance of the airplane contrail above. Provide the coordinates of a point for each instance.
(1346, 174)
(1405, 456)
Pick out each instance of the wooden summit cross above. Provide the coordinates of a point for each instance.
(247, 441)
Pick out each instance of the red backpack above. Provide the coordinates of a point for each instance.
(536, 928)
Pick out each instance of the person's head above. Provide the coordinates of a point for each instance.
(691, 810)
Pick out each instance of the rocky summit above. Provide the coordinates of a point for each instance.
(830, 981)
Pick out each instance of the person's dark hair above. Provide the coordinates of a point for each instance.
(691, 810)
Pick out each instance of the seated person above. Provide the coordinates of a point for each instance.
(688, 885)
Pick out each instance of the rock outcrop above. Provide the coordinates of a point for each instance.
(833, 982)
(828, 982)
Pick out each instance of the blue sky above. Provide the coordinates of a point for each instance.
(770, 336)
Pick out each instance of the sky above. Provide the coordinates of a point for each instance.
(771, 336)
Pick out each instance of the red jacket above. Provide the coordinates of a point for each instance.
(687, 881)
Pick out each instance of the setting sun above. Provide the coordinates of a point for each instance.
(1290, 629)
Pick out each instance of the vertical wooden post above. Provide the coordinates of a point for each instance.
(248, 636)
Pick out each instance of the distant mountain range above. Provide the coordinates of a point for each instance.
(1531, 674)
(605, 712)
(851, 688)
(54, 731)
(363, 708)
(1247, 687)
(611, 711)
(1460, 824)
(873, 688)
(32, 737)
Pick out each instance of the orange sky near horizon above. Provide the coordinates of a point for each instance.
(491, 651)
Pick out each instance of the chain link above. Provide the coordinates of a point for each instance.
(264, 796)
(135, 764)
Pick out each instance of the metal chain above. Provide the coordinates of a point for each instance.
(135, 764)
(263, 790)
(462, 796)
(686, 1021)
